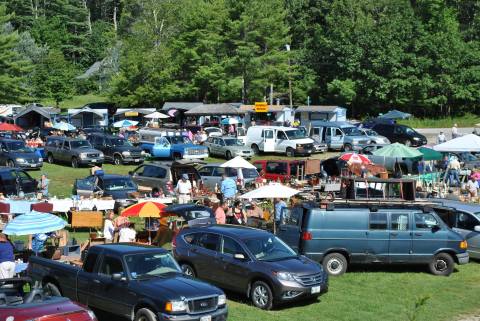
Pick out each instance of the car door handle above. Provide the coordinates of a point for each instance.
(394, 234)
(96, 281)
(418, 234)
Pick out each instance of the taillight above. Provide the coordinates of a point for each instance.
(463, 245)
(306, 236)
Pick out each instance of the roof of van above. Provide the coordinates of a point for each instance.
(274, 127)
(332, 123)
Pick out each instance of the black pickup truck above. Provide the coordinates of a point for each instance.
(133, 281)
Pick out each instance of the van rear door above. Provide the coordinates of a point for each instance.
(400, 244)
(290, 227)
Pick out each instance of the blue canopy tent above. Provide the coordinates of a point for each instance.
(396, 114)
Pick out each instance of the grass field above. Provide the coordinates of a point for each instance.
(468, 120)
(76, 101)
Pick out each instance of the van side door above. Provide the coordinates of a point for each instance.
(400, 243)
(378, 238)
(162, 147)
(268, 140)
(428, 236)
(290, 229)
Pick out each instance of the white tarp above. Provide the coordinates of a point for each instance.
(467, 143)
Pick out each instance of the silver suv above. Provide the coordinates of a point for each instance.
(77, 152)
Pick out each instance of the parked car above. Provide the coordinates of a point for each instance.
(116, 149)
(249, 261)
(14, 153)
(278, 139)
(344, 234)
(14, 181)
(165, 175)
(374, 137)
(278, 169)
(211, 175)
(227, 147)
(468, 160)
(118, 187)
(192, 213)
(400, 134)
(77, 152)
(337, 135)
(140, 283)
(213, 131)
(463, 218)
(161, 143)
(369, 149)
(37, 304)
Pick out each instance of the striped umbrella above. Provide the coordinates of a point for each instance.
(33, 223)
(145, 209)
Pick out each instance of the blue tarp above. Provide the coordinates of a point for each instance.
(396, 114)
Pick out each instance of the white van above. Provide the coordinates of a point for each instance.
(279, 139)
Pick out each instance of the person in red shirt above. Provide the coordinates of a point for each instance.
(220, 215)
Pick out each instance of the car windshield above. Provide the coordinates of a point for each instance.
(477, 214)
(179, 140)
(469, 157)
(118, 184)
(370, 132)
(269, 248)
(19, 147)
(295, 134)
(213, 130)
(148, 265)
(409, 131)
(246, 172)
(352, 131)
(120, 142)
(79, 144)
(232, 142)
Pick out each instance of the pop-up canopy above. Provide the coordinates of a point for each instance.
(467, 143)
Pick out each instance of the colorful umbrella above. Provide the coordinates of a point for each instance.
(229, 121)
(145, 209)
(6, 127)
(156, 115)
(63, 126)
(33, 223)
(397, 150)
(430, 154)
(354, 158)
(125, 123)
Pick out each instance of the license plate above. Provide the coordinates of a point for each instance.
(137, 160)
(316, 289)
(94, 160)
(206, 318)
(32, 166)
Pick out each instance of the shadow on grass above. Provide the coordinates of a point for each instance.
(389, 268)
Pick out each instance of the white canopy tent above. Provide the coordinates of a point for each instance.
(272, 190)
(238, 162)
(467, 143)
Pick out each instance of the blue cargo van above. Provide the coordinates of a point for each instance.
(343, 234)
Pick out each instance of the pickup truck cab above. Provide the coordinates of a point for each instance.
(338, 135)
(170, 144)
(132, 281)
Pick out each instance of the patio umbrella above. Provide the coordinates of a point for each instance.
(397, 150)
(273, 190)
(145, 209)
(33, 223)
(430, 154)
(229, 121)
(63, 126)
(125, 123)
(354, 158)
(238, 162)
(6, 127)
(156, 115)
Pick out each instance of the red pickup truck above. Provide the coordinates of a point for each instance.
(37, 305)
(279, 170)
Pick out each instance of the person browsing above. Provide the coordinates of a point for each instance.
(127, 233)
(7, 259)
(43, 185)
(108, 227)
(228, 187)
(184, 190)
(220, 215)
(279, 206)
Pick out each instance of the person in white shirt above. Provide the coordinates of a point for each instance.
(108, 227)
(184, 190)
(441, 138)
(472, 187)
(127, 233)
(454, 131)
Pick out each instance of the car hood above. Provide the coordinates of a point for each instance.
(303, 141)
(239, 148)
(298, 265)
(85, 150)
(177, 286)
(188, 146)
(120, 194)
(128, 149)
(25, 155)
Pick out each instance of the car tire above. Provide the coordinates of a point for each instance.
(255, 149)
(177, 156)
(51, 289)
(10, 163)
(228, 155)
(290, 152)
(117, 160)
(74, 162)
(407, 143)
(50, 159)
(347, 148)
(442, 264)
(261, 295)
(145, 314)
(188, 270)
(335, 264)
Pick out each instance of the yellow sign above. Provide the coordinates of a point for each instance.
(131, 113)
(261, 107)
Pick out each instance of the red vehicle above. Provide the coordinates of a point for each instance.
(279, 170)
(37, 305)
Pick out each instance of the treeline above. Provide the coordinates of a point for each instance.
(422, 56)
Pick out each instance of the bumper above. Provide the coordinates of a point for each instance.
(463, 258)
(29, 165)
(90, 161)
(218, 315)
(199, 156)
(417, 143)
(249, 155)
(358, 147)
(292, 291)
(132, 160)
(320, 149)
(304, 151)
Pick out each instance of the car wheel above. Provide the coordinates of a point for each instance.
(74, 162)
(335, 264)
(177, 156)
(255, 149)
(228, 155)
(261, 295)
(50, 159)
(442, 264)
(10, 163)
(145, 315)
(117, 160)
(51, 289)
(188, 270)
(407, 143)
(347, 147)
(290, 152)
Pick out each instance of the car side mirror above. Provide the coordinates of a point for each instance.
(239, 256)
(436, 227)
(118, 277)
(477, 228)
